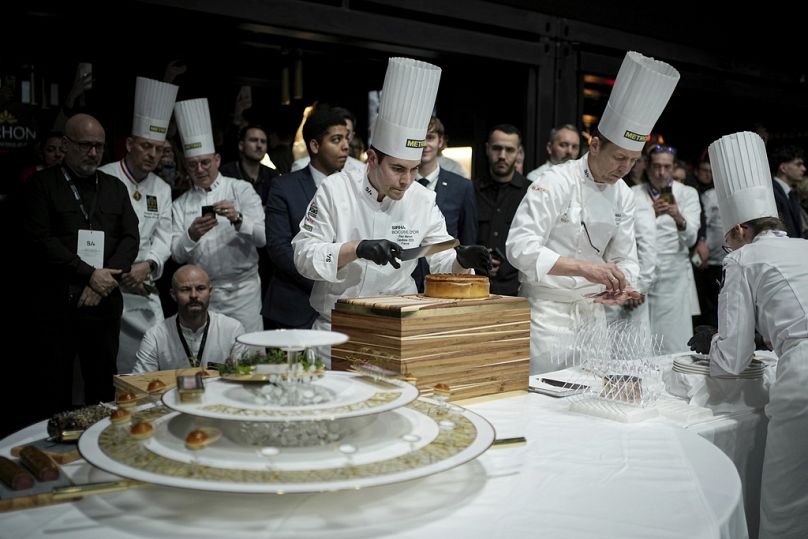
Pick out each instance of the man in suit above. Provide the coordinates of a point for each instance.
(454, 195)
(286, 303)
(788, 170)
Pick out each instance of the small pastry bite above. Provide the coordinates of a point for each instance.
(120, 417)
(441, 391)
(200, 438)
(126, 400)
(156, 386)
(142, 430)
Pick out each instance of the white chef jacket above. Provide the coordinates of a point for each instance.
(535, 173)
(344, 209)
(228, 255)
(549, 223)
(161, 348)
(672, 299)
(153, 212)
(766, 287)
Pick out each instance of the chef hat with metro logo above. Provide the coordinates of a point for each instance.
(408, 98)
(641, 92)
(743, 181)
(154, 103)
(193, 122)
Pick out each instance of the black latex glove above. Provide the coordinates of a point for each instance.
(379, 251)
(702, 339)
(475, 257)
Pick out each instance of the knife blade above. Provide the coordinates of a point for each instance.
(67, 493)
(426, 250)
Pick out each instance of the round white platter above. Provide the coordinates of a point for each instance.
(292, 339)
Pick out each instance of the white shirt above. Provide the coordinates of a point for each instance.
(225, 253)
(317, 176)
(153, 213)
(533, 174)
(161, 347)
(765, 287)
(344, 209)
(303, 162)
(669, 239)
(784, 185)
(548, 225)
(432, 178)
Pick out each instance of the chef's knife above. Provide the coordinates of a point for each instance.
(426, 250)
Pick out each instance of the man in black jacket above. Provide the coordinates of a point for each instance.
(82, 234)
(788, 170)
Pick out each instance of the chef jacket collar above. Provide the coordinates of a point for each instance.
(372, 195)
(588, 173)
(215, 185)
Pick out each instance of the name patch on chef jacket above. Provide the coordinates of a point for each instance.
(151, 203)
(538, 188)
(619, 217)
(313, 211)
(404, 236)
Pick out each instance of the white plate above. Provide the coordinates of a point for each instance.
(292, 339)
(384, 447)
(353, 395)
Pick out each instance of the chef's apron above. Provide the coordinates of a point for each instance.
(239, 299)
(669, 303)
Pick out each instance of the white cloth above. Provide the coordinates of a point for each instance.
(533, 174)
(672, 297)
(766, 287)
(161, 348)
(344, 209)
(153, 212)
(714, 231)
(228, 255)
(549, 224)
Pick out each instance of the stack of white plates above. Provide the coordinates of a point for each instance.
(700, 364)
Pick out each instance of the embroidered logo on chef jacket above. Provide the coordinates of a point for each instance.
(313, 210)
(368, 192)
(618, 218)
(404, 236)
(538, 188)
(151, 203)
(308, 227)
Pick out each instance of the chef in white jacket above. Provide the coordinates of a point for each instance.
(359, 220)
(573, 233)
(765, 288)
(677, 217)
(223, 241)
(151, 200)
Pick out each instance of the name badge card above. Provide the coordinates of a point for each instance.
(91, 247)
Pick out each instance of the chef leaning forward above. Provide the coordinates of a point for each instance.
(765, 288)
(573, 233)
(219, 222)
(151, 199)
(360, 219)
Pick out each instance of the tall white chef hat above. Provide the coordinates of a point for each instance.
(154, 103)
(743, 182)
(193, 121)
(641, 92)
(408, 98)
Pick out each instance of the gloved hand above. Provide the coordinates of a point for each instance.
(379, 251)
(475, 257)
(702, 339)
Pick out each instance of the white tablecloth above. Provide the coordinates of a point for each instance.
(577, 477)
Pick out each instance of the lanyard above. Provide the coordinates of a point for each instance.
(77, 196)
(195, 360)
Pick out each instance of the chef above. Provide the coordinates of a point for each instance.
(151, 199)
(360, 219)
(765, 288)
(223, 241)
(573, 233)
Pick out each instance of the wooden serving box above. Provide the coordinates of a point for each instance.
(475, 346)
(139, 383)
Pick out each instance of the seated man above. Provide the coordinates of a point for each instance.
(194, 335)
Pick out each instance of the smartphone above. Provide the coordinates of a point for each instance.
(667, 195)
(208, 210)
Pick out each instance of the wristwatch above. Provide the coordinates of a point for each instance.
(237, 221)
(684, 225)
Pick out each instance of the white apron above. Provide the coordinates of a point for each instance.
(669, 303)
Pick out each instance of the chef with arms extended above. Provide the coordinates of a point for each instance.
(360, 219)
(765, 288)
(573, 233)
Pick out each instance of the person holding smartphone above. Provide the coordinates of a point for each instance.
(672, 298)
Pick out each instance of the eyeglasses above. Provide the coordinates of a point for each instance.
(589, 238)
(662, 148)
(203, 163)
(87, 146)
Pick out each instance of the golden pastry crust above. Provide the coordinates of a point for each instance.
(456, 286)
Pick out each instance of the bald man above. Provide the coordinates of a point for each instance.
(82, 234)
(194, 336)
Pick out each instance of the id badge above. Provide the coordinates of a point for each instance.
(91, 247)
